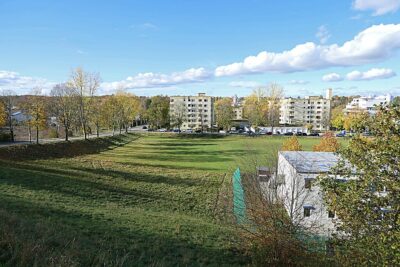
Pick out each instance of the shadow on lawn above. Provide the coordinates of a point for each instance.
(65, 149)
(35, 234)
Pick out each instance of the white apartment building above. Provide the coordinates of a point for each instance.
(313, 110)
(368, 103)
(198, 111)
(301, 197)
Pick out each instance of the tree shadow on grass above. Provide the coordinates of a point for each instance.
(65, 236)
(65, 149)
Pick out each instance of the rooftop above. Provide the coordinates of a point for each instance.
(311, 162)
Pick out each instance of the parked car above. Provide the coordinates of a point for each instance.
(176, 130)
(288, 134)
(198, 131)
(144, 127)
(340, 135)
(313, 134)
(162, 130)
(301, 134)
(189, 131)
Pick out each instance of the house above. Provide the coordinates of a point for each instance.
(368, 103)
(300, 195)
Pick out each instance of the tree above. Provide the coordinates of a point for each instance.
(3, 115)
(35, 109)
(158, 111)
(109, 113)
(85, 85)
(328, 143)
(356, 121)
(8, 100)
(128, 109)
(367, 197)
(291, 144)
(274, 94)
(337, 118)
(178, 114)
(64, 106)
(255, 108)
(224, 113)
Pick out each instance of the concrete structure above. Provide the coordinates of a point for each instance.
(313, 110)
(238, 113)
(301, 197)
(368, 103)
(197, 111)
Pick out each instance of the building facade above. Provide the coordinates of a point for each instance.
(197, 112)
(300, 195)
(368, 103)
(311, 110)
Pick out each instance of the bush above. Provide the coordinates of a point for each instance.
(53, 133)
(5, 137)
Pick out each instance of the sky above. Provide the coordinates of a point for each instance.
(219, 47)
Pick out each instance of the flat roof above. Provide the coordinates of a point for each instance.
(311, 162)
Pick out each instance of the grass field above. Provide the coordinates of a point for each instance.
(148, 201)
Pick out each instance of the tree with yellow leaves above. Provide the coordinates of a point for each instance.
(328, 143)
(3, 116)
(292, 144)
(35, 109)
(256, 108)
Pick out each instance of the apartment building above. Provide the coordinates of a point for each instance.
(197, 111)
(368, 103)
(311, 110)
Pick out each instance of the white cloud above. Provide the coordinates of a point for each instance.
(332, 77)
(374, 44)
(298, 82)
(380, 7)
(145, 26)
(244, 84)
(323, 34)
(10, 80)
(151, 80)
(371, 74)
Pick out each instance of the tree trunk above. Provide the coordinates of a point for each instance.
(98, 130)
(37, 134)
(30, 133)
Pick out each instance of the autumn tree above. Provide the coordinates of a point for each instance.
(109, 113)
(128, 109)
(35, 109)
(255, 108)
(224, 113)
(178, 113)
(274, 94)
(338, 118)
(328, 143)
(367, 197)
(85, 85)
(65, 107)
(158, 111)
(292, 144)
(3, 115)
(8, 100)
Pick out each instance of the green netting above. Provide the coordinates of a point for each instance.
(239, 206)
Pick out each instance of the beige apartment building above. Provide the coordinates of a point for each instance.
(197, 111)
(311, 110)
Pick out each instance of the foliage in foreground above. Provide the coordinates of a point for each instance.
(368, 203)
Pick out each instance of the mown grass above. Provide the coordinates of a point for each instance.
(135, 201)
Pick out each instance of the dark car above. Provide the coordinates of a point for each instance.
(313, 134)
(288, 133)
(144, 127)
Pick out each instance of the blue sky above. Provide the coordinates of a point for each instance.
(186, 46)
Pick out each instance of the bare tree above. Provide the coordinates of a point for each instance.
(8, 99)
(178, 114)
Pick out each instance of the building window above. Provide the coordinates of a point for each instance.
(307, 183)
(331, 214)
(307, 211)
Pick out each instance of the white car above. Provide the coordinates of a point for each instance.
(163, 130)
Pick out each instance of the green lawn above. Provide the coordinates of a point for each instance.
(148, 202)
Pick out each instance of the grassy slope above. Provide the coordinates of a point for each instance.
(148, 202)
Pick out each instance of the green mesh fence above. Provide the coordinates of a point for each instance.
(239, 206)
